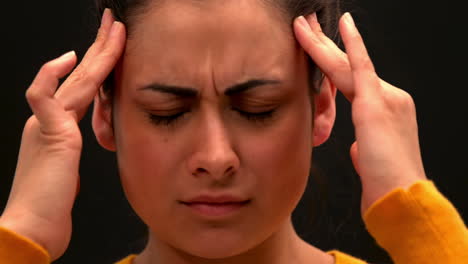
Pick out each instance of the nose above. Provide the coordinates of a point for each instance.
(214, 156)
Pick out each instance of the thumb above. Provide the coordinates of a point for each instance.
(353, 151)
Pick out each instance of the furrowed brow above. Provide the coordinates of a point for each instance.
(171, 89)
(192, 92)
(245, 86)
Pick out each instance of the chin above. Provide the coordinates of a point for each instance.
(220, 246)
(213, 252)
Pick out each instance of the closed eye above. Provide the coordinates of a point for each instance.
(256, 116)
(165, 119)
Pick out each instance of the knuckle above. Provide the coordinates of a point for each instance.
(48, 68)
(406, 100)
(96, 46)
(320, 33)
(80, 72)
(109, 52)
(32, 94)
(311, 46)
(99, 38)
(31, 124)
(356, 37)
(401, 100)
(366, 65)
(341, 65)
(80, 76)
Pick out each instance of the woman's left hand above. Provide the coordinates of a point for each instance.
(386, 153)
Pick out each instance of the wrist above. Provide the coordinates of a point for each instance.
(371, 193)
(51, 236)
(27, 228)
(16, 226)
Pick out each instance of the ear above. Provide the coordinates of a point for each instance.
(102, 121)
(325, 112)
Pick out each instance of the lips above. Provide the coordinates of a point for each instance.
(212, 206)
(216, 199)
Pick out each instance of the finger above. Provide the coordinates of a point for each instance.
(366, 81)
(317, 29)
(97, 48)
(40, 95)
(106, 24)
(331, 60)
(353, 151)
(78, 91)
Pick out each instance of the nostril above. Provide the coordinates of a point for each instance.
(230, 170)
(201, 170)
(228, 173)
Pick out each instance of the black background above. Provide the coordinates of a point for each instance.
(414, 46)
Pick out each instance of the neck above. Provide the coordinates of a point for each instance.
(283, 246)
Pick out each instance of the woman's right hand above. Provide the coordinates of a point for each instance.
(46, 180)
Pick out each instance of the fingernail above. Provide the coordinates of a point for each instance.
(303, 22)
(314, 17)
(67, 56)
(105, 16)
(349, 19)
(115, 29)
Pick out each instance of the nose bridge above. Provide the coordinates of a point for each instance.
(214, 154)
(217, 137)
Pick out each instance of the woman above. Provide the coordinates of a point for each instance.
(213, 148)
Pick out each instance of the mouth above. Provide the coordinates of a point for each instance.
(216, 209)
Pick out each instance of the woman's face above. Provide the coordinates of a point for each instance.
(241, 125)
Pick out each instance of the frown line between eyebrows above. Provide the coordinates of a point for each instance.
(192, 92)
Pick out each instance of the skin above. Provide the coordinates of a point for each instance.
(213, 148)
(386, 152)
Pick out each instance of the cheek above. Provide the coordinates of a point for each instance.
(281, 159)
(146, 165)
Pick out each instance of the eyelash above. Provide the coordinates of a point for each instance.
(260, 117)
(256, 117)
(165, 120)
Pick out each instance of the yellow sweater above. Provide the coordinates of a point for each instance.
(416, 226)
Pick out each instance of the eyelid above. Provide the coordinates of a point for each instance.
(166, 120)
(253, 108)
(156, 103)
(167, 112)
(166, 108)
(258, 117)
(254, 112)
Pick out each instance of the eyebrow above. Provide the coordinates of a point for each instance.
(192, 92)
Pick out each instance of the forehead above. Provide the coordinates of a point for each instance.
(226, 40)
